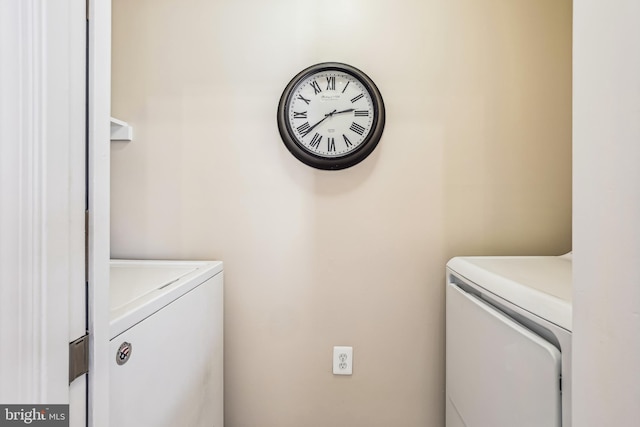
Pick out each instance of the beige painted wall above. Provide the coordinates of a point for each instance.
(475, 159)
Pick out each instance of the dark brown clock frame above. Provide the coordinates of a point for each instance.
(331, 163)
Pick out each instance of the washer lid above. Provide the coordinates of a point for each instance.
(538, 284)
(129, 281)
(137, 289)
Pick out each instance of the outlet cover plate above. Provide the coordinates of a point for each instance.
(342, 360)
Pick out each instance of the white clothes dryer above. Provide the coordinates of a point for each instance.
(508, 341)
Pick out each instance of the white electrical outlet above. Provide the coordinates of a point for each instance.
(342, 360)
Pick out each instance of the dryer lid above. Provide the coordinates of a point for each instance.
(541, 285)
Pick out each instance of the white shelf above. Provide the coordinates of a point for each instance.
(121, 131)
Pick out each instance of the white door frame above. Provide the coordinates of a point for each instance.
(99, 154)
(42, 133)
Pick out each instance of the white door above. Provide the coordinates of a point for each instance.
(42, 200)
(499, 374)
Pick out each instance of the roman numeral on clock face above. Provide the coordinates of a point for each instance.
(357, 128)
(356, 98)
(331, 144)
(303, 128)
(302, 115)
(315, 141)
(361, 113)
(302, 98)
(331, 83)
(346, 141)
(316, 87)
(345, 87)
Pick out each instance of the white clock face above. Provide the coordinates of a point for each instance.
(331, 113)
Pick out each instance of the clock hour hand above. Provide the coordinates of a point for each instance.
(326, 116)
(343, 111)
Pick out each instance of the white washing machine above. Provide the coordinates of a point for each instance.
(166, 349)
(508, 342)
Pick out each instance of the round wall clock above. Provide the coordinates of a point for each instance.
(331, 116)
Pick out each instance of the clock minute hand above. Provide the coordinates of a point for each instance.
(308, 131)
(326, 116)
